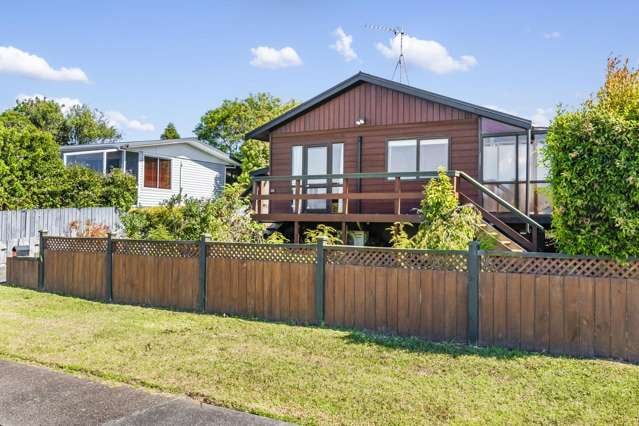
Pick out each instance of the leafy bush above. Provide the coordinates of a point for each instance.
(446, 224)
(328, 233)
(120, 190)
(593, 159)
(84, 187)
(277, 238)
(226, 218)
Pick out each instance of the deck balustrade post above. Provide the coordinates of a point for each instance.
(108, 293)
(43, 235)
(201, 301)
(473, 292)
(319, 281)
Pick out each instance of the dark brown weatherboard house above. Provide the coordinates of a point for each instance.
(357, 156)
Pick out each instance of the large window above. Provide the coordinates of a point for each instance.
(157, 172)
(412, 155)
(502, 160)
(132, 163)
(93, 161)
(113, 160)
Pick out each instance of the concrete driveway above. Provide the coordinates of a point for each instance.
(38, 396)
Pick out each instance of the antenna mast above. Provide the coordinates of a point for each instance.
(400, 65)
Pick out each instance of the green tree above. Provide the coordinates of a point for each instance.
(170, 132)
(593, 158)
(79, 125)
(254, 155)
(31, 169)
(225, 127)
(45, 114)
(120, 190)
(446, 225)
(86, 125)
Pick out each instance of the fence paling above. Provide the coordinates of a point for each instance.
(559, 304)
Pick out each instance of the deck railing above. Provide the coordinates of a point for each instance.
(339, 187)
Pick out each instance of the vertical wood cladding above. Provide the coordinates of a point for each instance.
(378, 105)
(389, 115)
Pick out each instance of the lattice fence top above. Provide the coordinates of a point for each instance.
(78, 245)
(265, 252)
(541, 265)
(156, 248)
(390, 258)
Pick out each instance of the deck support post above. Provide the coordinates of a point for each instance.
(296, 232)
(473, 268)
(43, 234)
(344, 233)
(398, 200)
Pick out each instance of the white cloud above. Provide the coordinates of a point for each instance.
(65, 103)
(16, 61)
(426, 54)
(343, 44)
(120, 121)
(269, 57)
(552, 35)
(543, 116)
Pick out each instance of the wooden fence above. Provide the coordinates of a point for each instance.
(533, 301)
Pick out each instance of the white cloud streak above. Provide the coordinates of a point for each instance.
(271, 58)
(552, 35)
(426, 54)
(121, 121)
(343, 44)
(16, 61)
(543, 116)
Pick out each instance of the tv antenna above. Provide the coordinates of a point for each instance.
(400, 65)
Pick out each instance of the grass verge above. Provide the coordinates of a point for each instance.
(311, 374)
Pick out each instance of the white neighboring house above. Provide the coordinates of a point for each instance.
(163, 168)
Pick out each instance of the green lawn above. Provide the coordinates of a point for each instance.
(308, 374)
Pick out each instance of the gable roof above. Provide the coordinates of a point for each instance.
(361, 77)
(193, 142)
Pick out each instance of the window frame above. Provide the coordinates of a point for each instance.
(418, 142)
(157, 158)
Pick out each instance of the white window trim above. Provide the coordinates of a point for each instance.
(417, 142)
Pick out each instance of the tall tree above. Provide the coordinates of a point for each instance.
(170, 132)
(80, 124)
(225, 126)
(593, 159)
(86, 125)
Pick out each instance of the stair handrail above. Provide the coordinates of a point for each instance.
(484, 189)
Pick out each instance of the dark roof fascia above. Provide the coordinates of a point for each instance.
(262, 131)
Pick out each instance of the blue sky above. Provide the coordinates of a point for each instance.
(150, 62)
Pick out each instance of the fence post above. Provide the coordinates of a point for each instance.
(109, 269)
(201, 301)
(43, 234)
(473, 292)
(319, 281)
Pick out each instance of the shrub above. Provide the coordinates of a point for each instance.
(593, 159)
(446, 224)
(119, 190)
(330, 235)
(226, 218)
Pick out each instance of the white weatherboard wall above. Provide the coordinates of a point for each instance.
(192, 171)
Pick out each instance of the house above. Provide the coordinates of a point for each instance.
(358, 155)
(163, 168)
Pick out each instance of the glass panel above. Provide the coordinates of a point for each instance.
(165, 174)
(402, 156)
(523, 142)
(93, 161)
(505, 191)
(538, 168)
(296, 168)
(150, 172)
(540, 202)
(337, 167)
(316, 164)
(433, 154)
(114, 160)
(492, 126)
(132, 163)
(498, 158)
